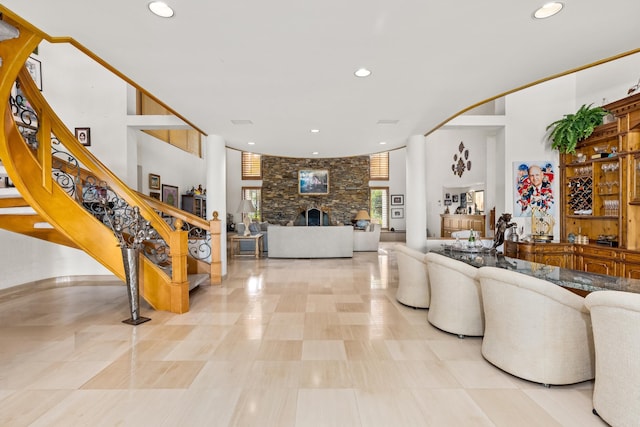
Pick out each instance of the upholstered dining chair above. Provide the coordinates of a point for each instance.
(413, 282)
(456, 300)
(534, 329)
(615, 317)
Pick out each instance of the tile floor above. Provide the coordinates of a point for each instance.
(280, 343)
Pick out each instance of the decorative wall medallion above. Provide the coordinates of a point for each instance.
(458, 167)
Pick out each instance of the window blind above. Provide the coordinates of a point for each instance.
(251, 166)
(379, 166)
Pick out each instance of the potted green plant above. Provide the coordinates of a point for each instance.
(572, 128)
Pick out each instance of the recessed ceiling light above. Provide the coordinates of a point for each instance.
(161, 9)
(315, 153)
(547, 10)
(383, 143)
(251, 143)
(315, 130)
(362, 72)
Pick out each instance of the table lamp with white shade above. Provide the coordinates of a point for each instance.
(362, 218)
(246, 207)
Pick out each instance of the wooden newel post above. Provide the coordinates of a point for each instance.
(179, 280)
(216, 249)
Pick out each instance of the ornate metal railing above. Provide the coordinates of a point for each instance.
(92, 194)
(198, 239)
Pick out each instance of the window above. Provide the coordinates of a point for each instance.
(251, 166)
(255, 195)
(379, 209)
(379, 166)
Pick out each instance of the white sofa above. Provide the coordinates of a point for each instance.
(615, 316)
(534, 329)
(367, 240)
(413, 281)
(311, 242)
(456, 300)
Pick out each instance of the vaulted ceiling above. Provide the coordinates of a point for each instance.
(269, 72)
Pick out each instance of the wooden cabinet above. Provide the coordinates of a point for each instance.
(453, 222)
(556, 254)
(195, 204)
(600, 184)
(593, 259)
(589, 258)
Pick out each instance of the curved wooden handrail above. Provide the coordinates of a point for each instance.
(174, 212)
(31, 172)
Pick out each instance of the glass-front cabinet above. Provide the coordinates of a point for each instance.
(635, 179)
(601, 182)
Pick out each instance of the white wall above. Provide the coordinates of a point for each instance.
(528, 114)
(235, 183)
(396, 185)
(85, 94)
(26, 259)
(442, 145)
(175, 166)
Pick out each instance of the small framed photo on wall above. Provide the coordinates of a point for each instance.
(397, 199)
(397, 213)
(84, 136)
(154, 181)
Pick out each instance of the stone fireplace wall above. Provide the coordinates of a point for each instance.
(348, 188)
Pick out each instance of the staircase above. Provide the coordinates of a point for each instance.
(63, 194)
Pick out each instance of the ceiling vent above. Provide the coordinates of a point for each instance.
(388, 122)
(242, 122)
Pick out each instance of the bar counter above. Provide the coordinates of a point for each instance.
(578, 281)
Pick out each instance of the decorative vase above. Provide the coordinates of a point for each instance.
(130, 257)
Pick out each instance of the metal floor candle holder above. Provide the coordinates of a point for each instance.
(130, 258)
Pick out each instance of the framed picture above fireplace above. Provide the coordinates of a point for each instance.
(313, 181)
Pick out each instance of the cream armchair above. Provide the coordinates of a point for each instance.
(616, 395)
(456, 300)
(368, 239)
(413, 282)
(534, 329)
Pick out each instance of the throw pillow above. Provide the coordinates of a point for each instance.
(254, 228)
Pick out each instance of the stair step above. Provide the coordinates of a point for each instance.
(26, 210)
(9, 192)
(196, 280)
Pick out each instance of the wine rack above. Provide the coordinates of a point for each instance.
(580, 195)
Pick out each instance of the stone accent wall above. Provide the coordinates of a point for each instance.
(348, 188)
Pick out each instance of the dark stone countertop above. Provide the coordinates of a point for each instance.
(565, 277)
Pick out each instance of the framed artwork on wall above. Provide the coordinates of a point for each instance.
(313, 181)
(154, 181)
(170, 195)
(397, 199)
(397, 213)
(84, 136)
(533, 187)
(34, 66)
(155, 195)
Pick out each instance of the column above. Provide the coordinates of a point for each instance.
(416, 198)
(215, 155)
